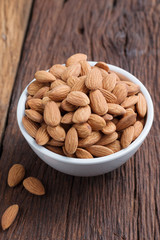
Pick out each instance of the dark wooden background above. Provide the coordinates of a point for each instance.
(123, 204)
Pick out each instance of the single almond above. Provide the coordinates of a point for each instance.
(85, 67)
(67, 118)
(126, 122)
(109, 82)
(9, 216)
(115, 109)
(127, 136)
(52, 115)
(68, 107)
(96, 122)
(102, 65)
(141, 105)
(30, 126)
(57, 133)
(57, 83)
(36, 104)
(57, 70)
(55, 143)
(73, 70)
(83, 153)
(130, 101)
(138, 127)
(99, 151)
(110, 97)
(16, 174)
(76, 58)
(72, 80)
(93, 138)
(83, 129)
(120, 91)
(41, 92)
(59, 93)
(34, 186)
(80, 85)
(109, 128)
(114, 146)
(42, 136)
(43, 76)
(68, 154)
(82, 114)
(57, 150)
(106, 139)
(94, 79)
(133, 89)
(98, 102)
(71, 141)
(78, 98)
(107, 117)
(34, 115)
(34, 87)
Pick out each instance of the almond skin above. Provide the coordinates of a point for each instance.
(114, 146)
(98, 102)
(57, 70)
(82, 114)
(138, 127)
(141, 105)
(96, 122)
(59, 93)
(34, 115)
(120, 91)
(94, 79)
(130, 101)
(36, 104)
(115, 109)
(76, 58)
(110, 97)
(78, 98)
(52, 116)
(30, 126)
(99, 151)
(102, 65)
(34, 87)
(57, 133)
(67, 118)
(127, 136)
(42, 136)
(93, 138)
(71, 141)
(83, 130)
(126, 122)
(109, 82)
(68, 107)
(9, 216)
(82, 153)
(73, 70)
(34, 186)
(43, 76)
(106, 139)
(15, 175)
(109, 128)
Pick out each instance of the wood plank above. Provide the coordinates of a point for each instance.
(123, 204)
(13, 22)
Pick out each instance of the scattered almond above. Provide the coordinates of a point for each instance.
(15, 175)
(34, 186)
(9, 216)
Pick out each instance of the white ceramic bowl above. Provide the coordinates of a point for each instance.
(95, 166)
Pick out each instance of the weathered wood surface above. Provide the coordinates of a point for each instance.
(123, 204)
(13, 22)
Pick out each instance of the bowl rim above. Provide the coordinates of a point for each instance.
(82, 161)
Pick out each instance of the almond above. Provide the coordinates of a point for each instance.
(82, 114)
(57, 133)
(93, 138)
(34, 115)
(127, 136)
(72, 80)
(130, 101)
(15, 175)
(98, 102)
(96, 122)
(99, 151)
(43, 76)
(55, 143)
(126, 122)
(107, 117)
(73, 70)
(34, 186)
(110, 97)
(141, 105)
(34, 87)
(102, 65)
(116, 109)
(80, 85)
(36, 104)
(57, 83)
(138, 127)
(67, 118)
(71, 141)
(133, 89)
(85, 67)
(83, 129)
(57, 70)
(115, 74)
(109, 128)
(78, 98)
(103, 72)
(114, 146)
(94, 79)
(57, 150)
(106, 139)
(30, 126)
(42, 136)
(128, 112)
(82, 153)
(76, 58)
(45, 100)
(67, 154)
(66, 106)
(52, 116)
(120, 91)
(109, 82)
(41, 92)
(9, 216)
(59, 93)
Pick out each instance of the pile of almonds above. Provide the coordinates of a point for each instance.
(81, 111)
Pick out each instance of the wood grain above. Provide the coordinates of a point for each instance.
(123, 204)
(13, 22)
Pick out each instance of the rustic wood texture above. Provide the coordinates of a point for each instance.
(13, 22)
(123, 204)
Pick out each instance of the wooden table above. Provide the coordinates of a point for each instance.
(123, 204)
